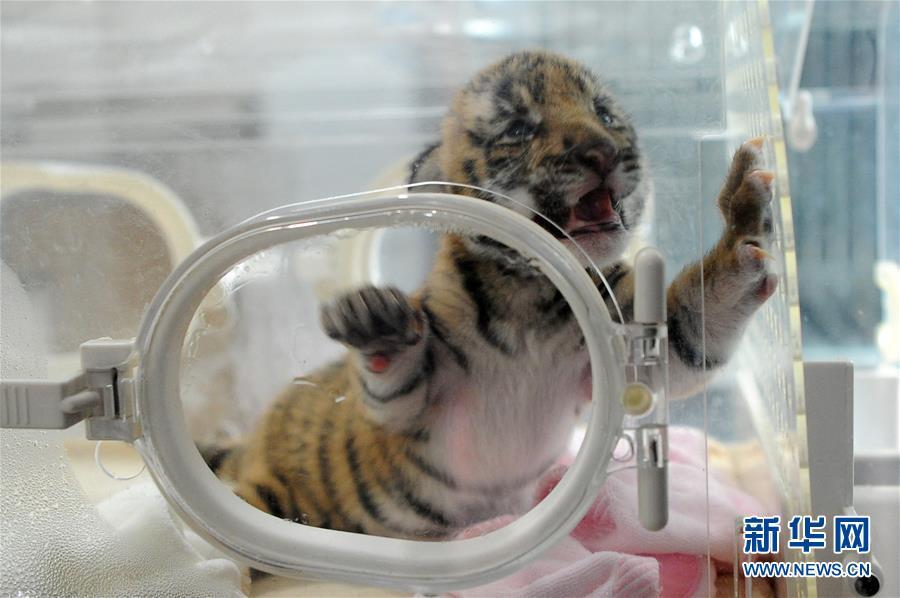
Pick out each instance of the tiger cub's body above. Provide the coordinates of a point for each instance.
(453, 401)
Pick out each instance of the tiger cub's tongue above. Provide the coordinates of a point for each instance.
(595, 206)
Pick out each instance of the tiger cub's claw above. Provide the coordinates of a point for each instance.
(746, 204)
(378, 322)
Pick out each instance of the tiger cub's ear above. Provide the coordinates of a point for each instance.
(426, 167)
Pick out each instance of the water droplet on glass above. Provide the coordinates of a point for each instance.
(687, 45)
(304, 382)
(205, 46)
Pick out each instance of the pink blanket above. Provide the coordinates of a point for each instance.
(610, 554)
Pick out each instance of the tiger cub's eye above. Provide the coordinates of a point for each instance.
(604, 114)
(518, 131)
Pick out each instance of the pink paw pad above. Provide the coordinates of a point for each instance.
(755, 253)
(379, 363)
(767, 287)
(753, 256)
(765, 177)
(757, 142)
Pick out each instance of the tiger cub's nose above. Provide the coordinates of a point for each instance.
(598, 154)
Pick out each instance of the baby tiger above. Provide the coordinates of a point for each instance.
(459, 396)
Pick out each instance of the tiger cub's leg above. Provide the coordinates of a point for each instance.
(737, 275)
(716, 296)
(245, 468)
(387, 337)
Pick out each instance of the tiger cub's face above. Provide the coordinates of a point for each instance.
(543, 130)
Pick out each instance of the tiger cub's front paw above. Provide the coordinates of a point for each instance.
(746, 204)
(378, 322)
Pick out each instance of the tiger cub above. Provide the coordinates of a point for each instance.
(452, 401)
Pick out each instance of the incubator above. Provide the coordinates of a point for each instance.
(185, 186)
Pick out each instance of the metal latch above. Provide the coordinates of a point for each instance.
(645, 395)
(102, 395)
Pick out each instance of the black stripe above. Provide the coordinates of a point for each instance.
(429, 469)
(504, 91)
(420, 160)
(399, 488)
(562, 315)
(362, 490)
(475, 288)
(579, 83)
(625, 306)
(300, 500)
(490, 242)
(300, 494)
(628, 154)
(428, 367)
(485, 195)
(536, 86)
(614, 276)
(510, 255)
(294, 510)
(689, 354)
(469, 170)
(496, 165)
(267, 495)
(420, 507)
(557, 308)
(420, 435)
(325, 474)
(364, 494)
(507, 270)
(214, 457)
(552, 302)
(475, 139)
(437, 327)
(324, 461)
(412, 384)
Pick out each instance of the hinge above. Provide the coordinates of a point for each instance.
(102, 395)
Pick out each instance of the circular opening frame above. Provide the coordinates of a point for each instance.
(286, 548)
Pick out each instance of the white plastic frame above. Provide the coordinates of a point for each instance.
(286, 548)
(154, 200)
